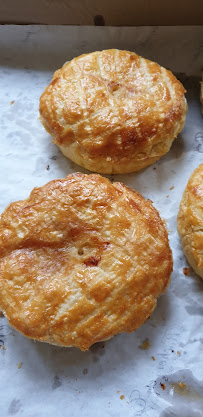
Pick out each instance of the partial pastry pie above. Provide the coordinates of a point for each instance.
(113, 111)
(190, 221)
(81, 260)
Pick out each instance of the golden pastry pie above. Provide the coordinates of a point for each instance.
(113, 111)
(190, 221)
(81, 259)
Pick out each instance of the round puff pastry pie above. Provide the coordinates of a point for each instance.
(113, 111)
(190, 221)
(81, 259)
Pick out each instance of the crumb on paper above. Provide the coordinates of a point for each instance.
(182, 384)
(171, 188)
(85, 371)
(3, 347)
(154, 168)
(178, 353)
(153, 358)
(122, 397)
(48, 167)
(118, 392)
(12, 102)
(145, 345)
(167, 196)
(163, 386)
(172, 351)
(182, 389)
(186, 271)
(20, 364)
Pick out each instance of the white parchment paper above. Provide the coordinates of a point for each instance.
(115, 378)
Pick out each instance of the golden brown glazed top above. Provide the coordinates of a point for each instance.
(190, 219)
(113, 104)
(81, 259)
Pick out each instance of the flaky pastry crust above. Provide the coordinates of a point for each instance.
(113, 111)
(81, 259)
(190, 221)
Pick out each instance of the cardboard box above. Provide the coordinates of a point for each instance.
(102, 12)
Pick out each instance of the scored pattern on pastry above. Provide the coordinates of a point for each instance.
(113, 109)
(81, 260)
